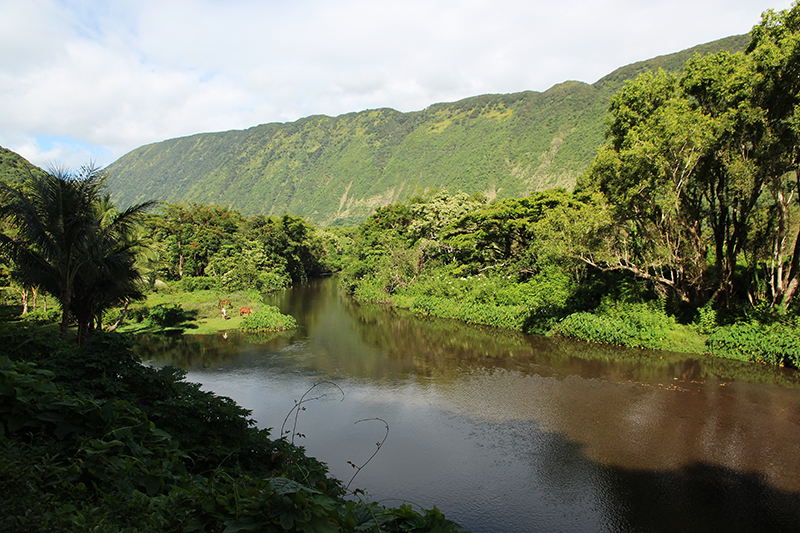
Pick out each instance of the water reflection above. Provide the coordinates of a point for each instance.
(506, 432)
(203, 351)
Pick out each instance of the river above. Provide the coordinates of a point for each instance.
(505, 432)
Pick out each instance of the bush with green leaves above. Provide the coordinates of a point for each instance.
(492, 300)
(96, 451)
(167, 316)
(777, 344)
(371, 289)
(632, 324)
(268, 318)
(272, 280)
(41, 316)
(707, 319)
(594, 328)
(498, 316)
(213, 430)
(194, 283)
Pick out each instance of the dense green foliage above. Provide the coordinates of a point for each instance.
(336, 171)
(701, 170)
(216, 247)
(65, 237)
(95, 441)
(502, 265)
(686, 220)
(16, 169)
(777, 344)
(267, 319)
(184, 249)
(637, 325)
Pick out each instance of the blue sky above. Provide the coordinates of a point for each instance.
(93, 79)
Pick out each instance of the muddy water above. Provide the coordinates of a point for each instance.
(512, 433)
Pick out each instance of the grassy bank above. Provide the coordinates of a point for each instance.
(200, 311)
(552, 304)
(547, 304)
(204, 312)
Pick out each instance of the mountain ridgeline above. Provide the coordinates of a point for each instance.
(337, 170)
(14, 168)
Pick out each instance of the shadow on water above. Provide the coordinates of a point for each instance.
(511, 433)
(703, 498)
(573, 493)
(696, 498)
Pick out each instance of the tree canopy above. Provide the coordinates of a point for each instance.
(70, 241)
(702, 168)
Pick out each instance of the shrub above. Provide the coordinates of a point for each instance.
(777, 344)
(707, 318)
(192, 283)
(636, 325)
(644, 317)
(213, 430)
(269, 281)
(499, 316)
(166, 315)
(268, 318)
(550, 288)
(594, 328)
(370, 289)
(249, 277)
(40, 316)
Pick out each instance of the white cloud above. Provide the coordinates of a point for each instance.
(104, 77)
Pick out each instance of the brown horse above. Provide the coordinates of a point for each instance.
(245, 311)
(223, 303)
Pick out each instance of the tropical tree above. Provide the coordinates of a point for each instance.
(775, 53)
(702, 168)
(110, 276)
(192, 234)
(650, 175)
(731, 186)
(70, 242)
(510, 233)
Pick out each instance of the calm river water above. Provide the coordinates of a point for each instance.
(511, 433)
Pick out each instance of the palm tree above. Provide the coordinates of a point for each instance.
(109, 277)
(71, 242)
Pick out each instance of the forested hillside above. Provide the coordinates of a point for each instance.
(337, 170)
(14, 167)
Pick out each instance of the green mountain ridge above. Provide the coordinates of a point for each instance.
(14, 168)
(337, 170)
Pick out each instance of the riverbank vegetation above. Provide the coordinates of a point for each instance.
(499, 265)
(92, 440)
(684, 228)
(686, 224)
(683, 235)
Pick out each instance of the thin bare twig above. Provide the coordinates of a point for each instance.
(298, 406)
(377, 444)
